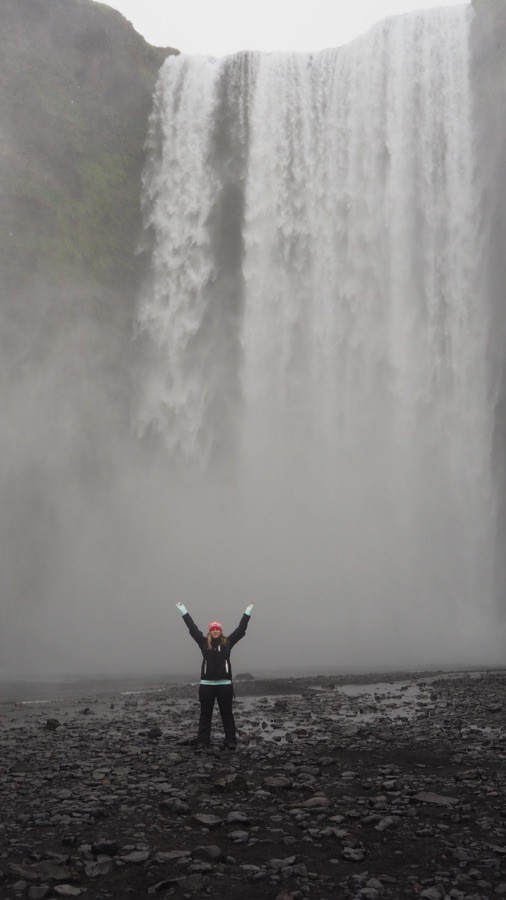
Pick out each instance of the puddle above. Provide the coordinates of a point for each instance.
(345, 705)
(383, 688)
(371, 702)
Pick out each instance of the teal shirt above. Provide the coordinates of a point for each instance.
(223, 681)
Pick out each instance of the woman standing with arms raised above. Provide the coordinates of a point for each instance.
(216, 675)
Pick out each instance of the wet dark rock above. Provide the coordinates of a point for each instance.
(135, 857)
(239, 837)
(40, 871)
(154, 733)
(237, 817)
(38, 892)
(435, 799)
(67, 890)
(355, 854)
(210, 852)
(323, 815)
(105, 847)
(163, 885)
(349, 731)
(175, 805)
(277, 781)
(192, 883)
(98, 867)
(208, 820)
(232, 783)
(52, 724)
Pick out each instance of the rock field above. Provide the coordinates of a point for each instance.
(366, 787)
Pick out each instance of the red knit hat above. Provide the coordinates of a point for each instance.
(215, 625)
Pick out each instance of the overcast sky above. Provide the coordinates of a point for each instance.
(218, 27)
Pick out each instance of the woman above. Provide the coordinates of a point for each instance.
(216, 675)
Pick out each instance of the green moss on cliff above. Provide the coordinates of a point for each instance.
(92, 225)
(78, 83)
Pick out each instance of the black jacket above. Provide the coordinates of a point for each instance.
(216, 661)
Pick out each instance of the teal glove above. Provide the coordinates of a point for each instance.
(182, 608)
(249, 609)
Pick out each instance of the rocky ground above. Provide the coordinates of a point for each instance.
(337, 790)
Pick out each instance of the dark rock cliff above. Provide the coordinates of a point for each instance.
(76, 84)
(488, 73)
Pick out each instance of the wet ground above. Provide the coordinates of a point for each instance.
(341, 787)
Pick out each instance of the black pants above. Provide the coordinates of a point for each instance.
(224, 694)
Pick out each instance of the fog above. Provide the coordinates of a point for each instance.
(93, 569)
(133, 476)
(97, 547)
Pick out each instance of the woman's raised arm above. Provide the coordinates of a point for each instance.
(190, 624)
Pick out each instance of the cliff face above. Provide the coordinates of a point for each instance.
(488, 59)
(76, 83)
(488, 56)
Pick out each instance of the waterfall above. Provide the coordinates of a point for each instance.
(315, 321)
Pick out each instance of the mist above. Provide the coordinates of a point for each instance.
(234, 440)
(95, 570)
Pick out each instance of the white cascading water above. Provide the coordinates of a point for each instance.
(316, 323)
